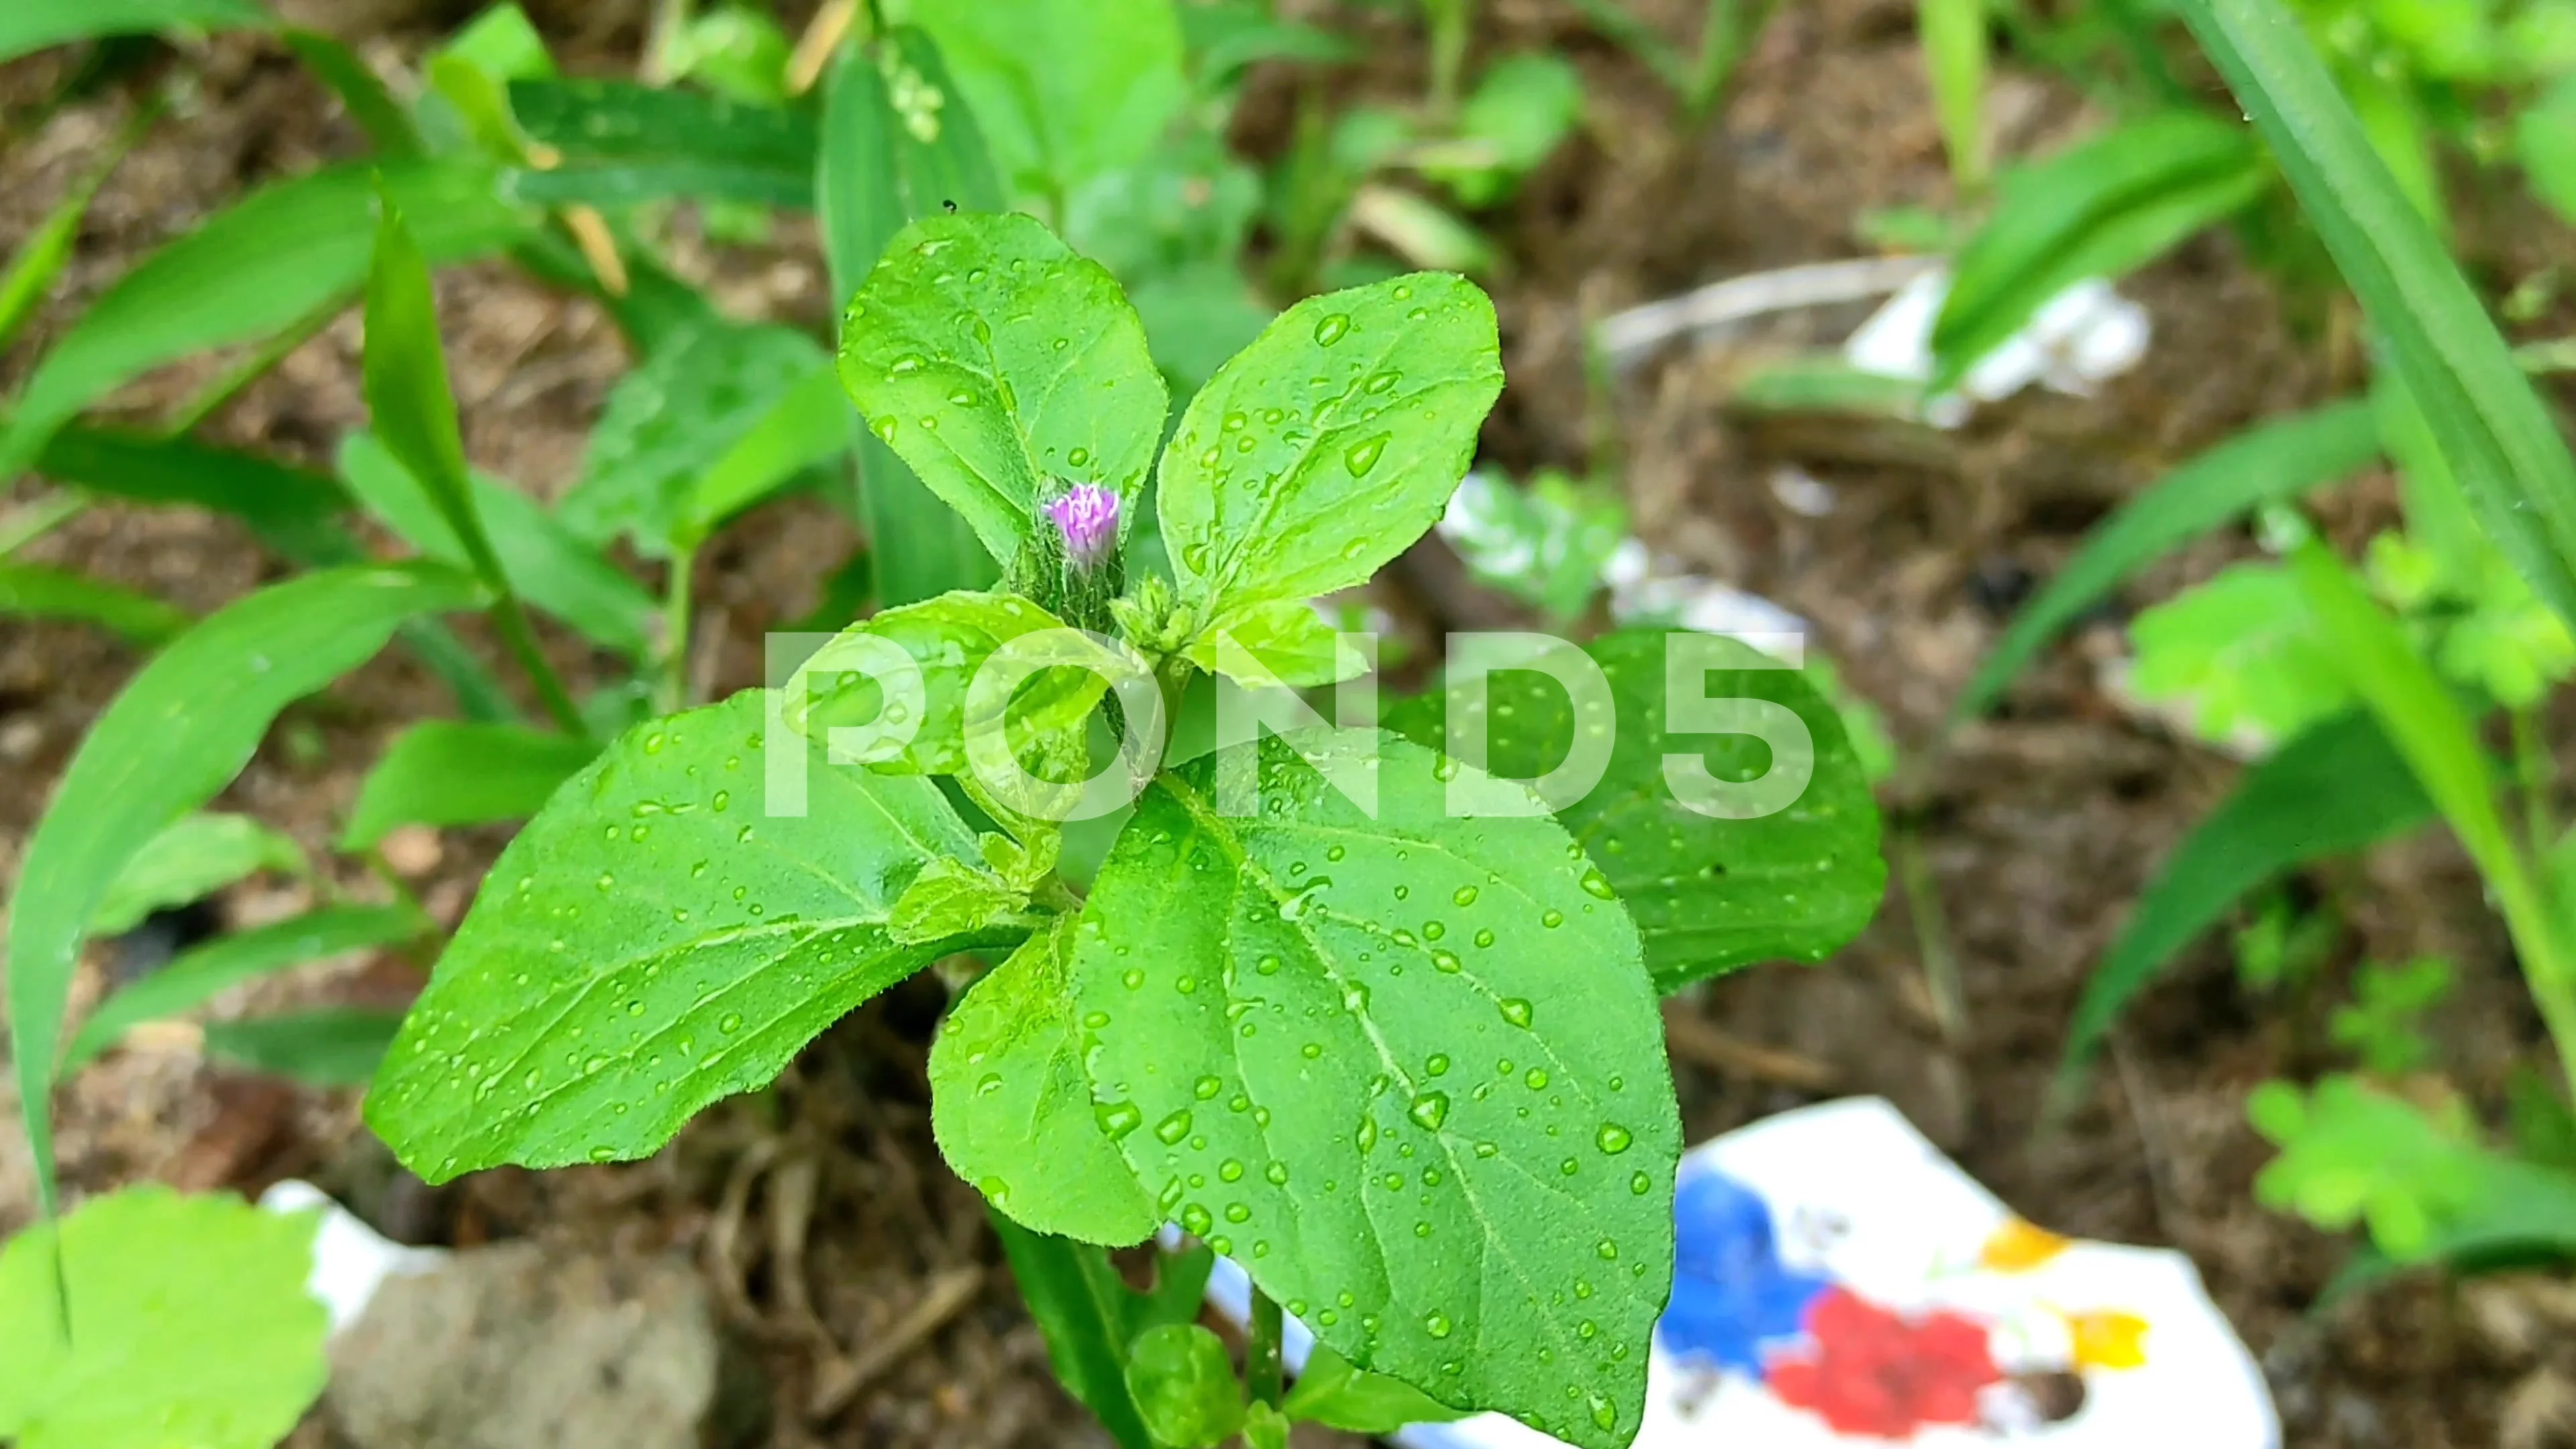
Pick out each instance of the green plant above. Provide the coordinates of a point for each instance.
(1241, 1020)
(2368, 695)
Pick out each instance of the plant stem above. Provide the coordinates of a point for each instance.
(673, 693)
(1262, 1368)
(1931, 933)
(1450, 31)
(512, 621)
(2535, 772)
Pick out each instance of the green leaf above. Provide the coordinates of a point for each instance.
(948, 639)
(275, 258)
(706, 938)
(408, 401)
(206, 971)
(2491, 424)
(1954, 53)
(290, 509)
(1286, 641)
(2243, 654)
(2102, 209)
(1186, 203)
(41, 257)
(993, 360)
(1708, 895)
(2414, 707)
(1065, 89)
(2545, 142)
(2335, 789)
(31, 25)
(388, 126)
(1331, 1392)
(35, 592)
(674, 422)
(1268, 1018)
(546, 563)
(1545, 544)
(179, 732)
(2274, 461)
(332, 1047)
(1522, 108)
(443, 773)
(196, 857)
(806, 426)
(1012, 1107)
(879, 171)
(1331, 443)
(2350, 1155)
(1184, 1386)
(1197, 319)
(615, 143)
(1088, 1315)
(193, 1325)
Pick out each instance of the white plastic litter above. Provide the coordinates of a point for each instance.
(2082, 338)
(350, 1260)
(1844, 1284)
(1641, 595)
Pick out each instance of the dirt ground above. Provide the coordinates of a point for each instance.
(836, 1239)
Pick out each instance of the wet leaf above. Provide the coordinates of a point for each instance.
(993, 360)
(330, 1047)
(1184, 1385)
(1708, 894)
(1013, 1109)
(663, 935)
(1330, 444)
(1407, 1070)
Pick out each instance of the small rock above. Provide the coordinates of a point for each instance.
(515, 1347)
(413, 850)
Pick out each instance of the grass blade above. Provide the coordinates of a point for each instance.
(178, 732)
(209, 970)
(333, 1047)
(266, 264)
(2491, 425)
(873, 178)
(2102, 209)
(614, 143)
(196, 857)
(445, 773)
(414, 416)
(42, 256)
(388, 126)
(1954, 52)
(34, 592)
(2336, 788)
(31, 25)
(2280, 459)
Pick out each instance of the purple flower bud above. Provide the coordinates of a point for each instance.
(1088, 518)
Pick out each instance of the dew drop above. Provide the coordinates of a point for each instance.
(1117, 1119)
(1430, 1110)
(1598, 885)
(1332, 329)
(1361, 457)
(1437, 1324)
(1613, 1138)
(1516, 1011)
(1172, 1129)
(1552, 919)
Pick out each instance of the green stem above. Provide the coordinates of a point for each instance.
(2541, 941)
(1931, 934)
(2535, 773)
(521, 639)
(1723, 41)
(1263, 1370)
(1450, 31)
(254, 367)
(674, 691)
(37, 519)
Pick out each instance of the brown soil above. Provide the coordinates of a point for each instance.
(837, 1239)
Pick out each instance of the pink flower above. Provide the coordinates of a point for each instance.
(1087, 516)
